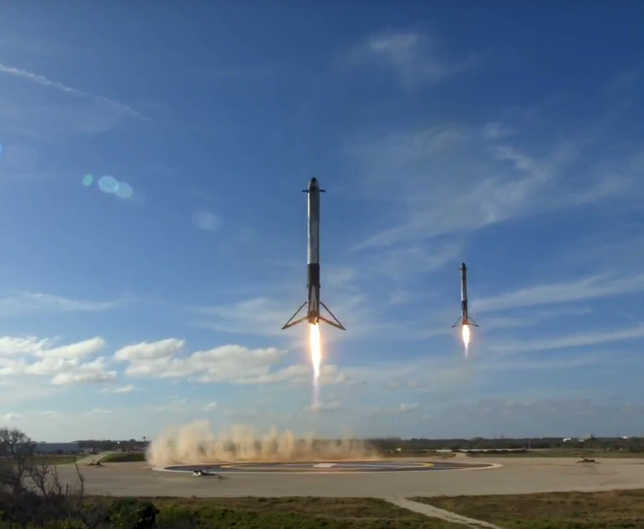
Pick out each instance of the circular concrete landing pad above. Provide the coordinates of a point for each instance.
(328, 467)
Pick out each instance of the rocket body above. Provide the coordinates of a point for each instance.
(464, 311)
(465, 318)
(313, 302)
(313, 252)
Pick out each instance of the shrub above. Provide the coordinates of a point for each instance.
(130, 513)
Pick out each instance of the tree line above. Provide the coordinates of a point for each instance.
(631, 444)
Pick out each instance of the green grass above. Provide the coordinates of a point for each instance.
(290, 513)
(53, 460)
(570, 510)
(123, 457)
(562, 452)
(419, 455)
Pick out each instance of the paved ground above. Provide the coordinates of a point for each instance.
(329, 467)
(93, 458)
(515, 476)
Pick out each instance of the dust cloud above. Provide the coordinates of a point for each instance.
(195, 443)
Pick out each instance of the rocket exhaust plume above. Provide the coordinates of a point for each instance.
(195, 443)
(316, 359)
(466, 338)
(465, 320)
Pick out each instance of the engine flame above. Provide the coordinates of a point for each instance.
(316, 358)
(466, 337)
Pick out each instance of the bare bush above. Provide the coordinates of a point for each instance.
(31, 493)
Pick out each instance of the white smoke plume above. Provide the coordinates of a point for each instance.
(195, 443)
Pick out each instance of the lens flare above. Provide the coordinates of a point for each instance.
(316, 358)
(466, 337)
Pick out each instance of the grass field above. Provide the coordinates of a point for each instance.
(290, 513)
(52, 460)
(123, 457)
(571, 452)
(391, 455)
(571, 510)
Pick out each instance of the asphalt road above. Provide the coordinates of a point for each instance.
(515, 476)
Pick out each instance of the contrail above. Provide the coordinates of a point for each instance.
(43, 81)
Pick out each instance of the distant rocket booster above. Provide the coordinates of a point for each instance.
(313, 265)
(465, 318)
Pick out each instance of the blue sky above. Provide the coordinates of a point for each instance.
(509, 137)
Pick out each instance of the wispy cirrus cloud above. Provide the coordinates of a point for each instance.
(99, 411)
(210, 406)
(587, 288)
(323, 407)
(46, 82)
(458, 177)
(265, 316)
(578, 339)
(467, 185)
(25, 302)
(406, 408)
(415, 58)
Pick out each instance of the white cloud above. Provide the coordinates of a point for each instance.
(425, 186)
(227, 363)
(210, 406)
(299, 374)
(26, 302)
(50, 413)
(205, 220)
(44, 81)
(88, 373)
(11, 345)
(533, 317)
(496, 131)
(128, 388)
(415, 58)
(66, 364)
(465, 188)
(99, 411)
(575, 340)
(150, 351)
(406, 408)
(325, 407)
(11, 417)
(597, 286)
(243, 414)
(73, 351)
(410, 261)
(233, 364)
(259, 315)
(265, 316)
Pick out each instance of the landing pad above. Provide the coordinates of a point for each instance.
(328, 467)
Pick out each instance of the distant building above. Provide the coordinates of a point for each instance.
(56, 448)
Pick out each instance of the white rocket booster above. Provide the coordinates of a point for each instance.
(313, 301)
